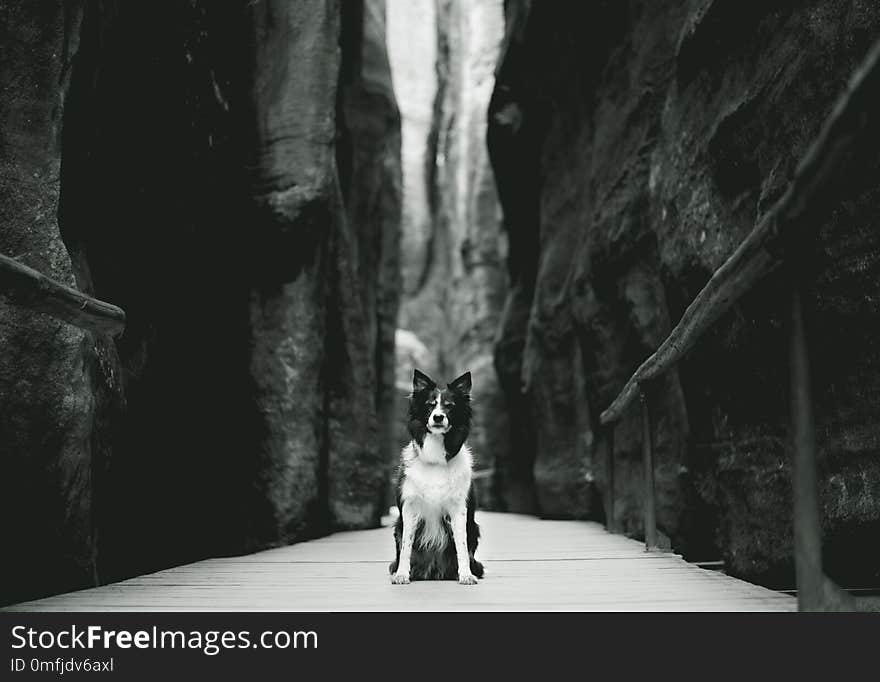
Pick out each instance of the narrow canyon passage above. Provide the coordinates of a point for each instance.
(298, 203)
(453, 247)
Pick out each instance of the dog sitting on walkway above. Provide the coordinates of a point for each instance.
(435, 534)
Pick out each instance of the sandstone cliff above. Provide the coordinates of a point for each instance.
(230, 177)
(47, 368)
(635, 144)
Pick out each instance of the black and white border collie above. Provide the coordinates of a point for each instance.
(435, 534)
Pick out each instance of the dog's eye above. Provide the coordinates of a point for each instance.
(448, 405)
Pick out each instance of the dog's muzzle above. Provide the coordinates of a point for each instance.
(438, 422)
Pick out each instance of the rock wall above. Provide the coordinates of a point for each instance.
(47, 404)
(635, 144)
(230, 178)
(412, 52)
(453, 247)
(370, 163)
(468, 213)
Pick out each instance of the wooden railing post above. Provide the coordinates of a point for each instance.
(815, 591)
(610, 523)
(807, 527)
(649, 508)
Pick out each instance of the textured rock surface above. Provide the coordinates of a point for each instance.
(635, 145)
(453, 247)
(230, 178)
(372, 186)
(412, 50)
(468, 210)
(46, 401)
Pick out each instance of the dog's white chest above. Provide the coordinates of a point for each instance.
(431, 481)
(433, 449)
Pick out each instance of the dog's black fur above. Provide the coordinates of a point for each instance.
(427, 563)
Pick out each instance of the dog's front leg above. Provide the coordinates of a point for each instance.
(410, 520)
(459, 536)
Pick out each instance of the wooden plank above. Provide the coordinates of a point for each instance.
(530, 565)
(809, 197)
(31, 289)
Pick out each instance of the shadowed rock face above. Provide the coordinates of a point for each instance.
(369, 159)
(46, 366)
(230, 178)
(635, 145)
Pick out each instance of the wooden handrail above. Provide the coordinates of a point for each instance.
(813, 191)
(31, 289)
(762, 251)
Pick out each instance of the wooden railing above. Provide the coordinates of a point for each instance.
(817, 186)
(28, 288)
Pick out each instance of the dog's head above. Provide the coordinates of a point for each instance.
(440, 410)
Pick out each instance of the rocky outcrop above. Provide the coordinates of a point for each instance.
(369, 159)
(453, 247)
(412, 50)
(467, 210)
(47, 404)
(635, 145)
(230, 177)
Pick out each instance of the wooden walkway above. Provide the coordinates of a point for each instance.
(530, 565)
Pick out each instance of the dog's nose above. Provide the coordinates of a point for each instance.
(438, 418)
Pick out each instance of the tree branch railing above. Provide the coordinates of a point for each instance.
(815, 189)
(25, 287)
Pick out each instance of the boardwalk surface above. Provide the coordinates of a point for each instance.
(530, 565)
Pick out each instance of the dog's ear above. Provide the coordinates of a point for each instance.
(421, 382)
(462, 384)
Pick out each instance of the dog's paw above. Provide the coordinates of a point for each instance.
(467, 579)
(400, 579)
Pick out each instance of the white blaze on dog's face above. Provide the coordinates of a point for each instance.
(438, 417)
